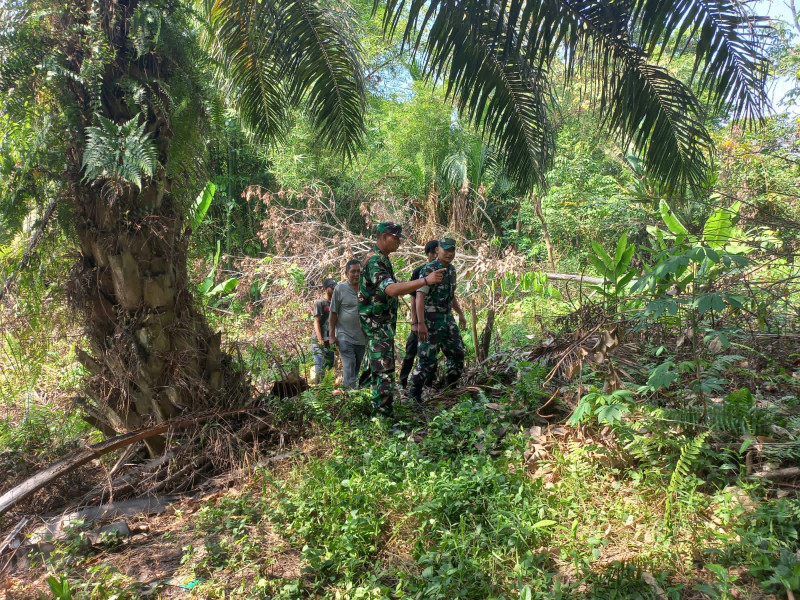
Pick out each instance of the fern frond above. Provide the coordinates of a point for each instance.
(119, 151)
(690, 453)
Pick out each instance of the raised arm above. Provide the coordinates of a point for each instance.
(406, 287)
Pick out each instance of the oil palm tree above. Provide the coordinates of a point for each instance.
(117, 93)
(118, 89)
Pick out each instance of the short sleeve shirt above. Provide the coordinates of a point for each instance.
(375, 306)
(415, 275)
(348, 324)
(439, 297)
(322, 309)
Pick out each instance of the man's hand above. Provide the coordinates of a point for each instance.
(462, 321)
(422, 332)
(435, 277)
(334, 340)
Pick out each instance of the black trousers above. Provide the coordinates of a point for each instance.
(408, 362)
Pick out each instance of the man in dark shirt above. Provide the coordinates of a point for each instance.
(320, 339)
(411, 343)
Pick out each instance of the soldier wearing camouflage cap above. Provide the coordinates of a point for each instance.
(436, 327)
(378, 290)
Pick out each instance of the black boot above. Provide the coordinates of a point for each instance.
(450, 380)
(415, 392)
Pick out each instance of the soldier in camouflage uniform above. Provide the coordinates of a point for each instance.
(377, 307)
(436, 327)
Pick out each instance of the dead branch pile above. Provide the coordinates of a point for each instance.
(198, 446)
(309, 239)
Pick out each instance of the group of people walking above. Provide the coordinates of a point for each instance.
(359, 316)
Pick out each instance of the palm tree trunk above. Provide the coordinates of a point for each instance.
(150, 354)
(537, 206)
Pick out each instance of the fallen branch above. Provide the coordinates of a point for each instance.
(786, 473)
(577, 278)
(81, 457)
(13, 534)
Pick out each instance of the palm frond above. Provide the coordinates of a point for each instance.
(730, 64)
(279, 54)
(324, 65)
(640, 102)
(482, 162)
(497, 90)
(663, 120)
(454, 169)
(238, 39)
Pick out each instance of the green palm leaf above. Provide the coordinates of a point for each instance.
(246, 65)
(663, 120)
(640, 102)
(472, 51)
(730, 61)
(278, 54)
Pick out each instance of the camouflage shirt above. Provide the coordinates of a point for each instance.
(439, 297)
(375, 306)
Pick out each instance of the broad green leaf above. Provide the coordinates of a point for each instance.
(625, 280)
(622, 246)
(741, 261)
(598, 264)
(611, 412)
(600, 252)
(734, 300)
(226, 287)
(544, 523)
(717, 303)
(670, 220)
(201, 205)
(581, 412)
(662, 376)
(712, 255)
(625, 259)
(526, 593)
(703, 303)
(719, 226)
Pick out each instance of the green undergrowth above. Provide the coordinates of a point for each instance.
(447, 507)
(450, 503)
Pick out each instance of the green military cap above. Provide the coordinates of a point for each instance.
(391, 228)
(447, 244)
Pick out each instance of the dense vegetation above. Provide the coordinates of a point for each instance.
(176, 184)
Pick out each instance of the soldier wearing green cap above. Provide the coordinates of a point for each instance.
(436, 327)
(378, 290)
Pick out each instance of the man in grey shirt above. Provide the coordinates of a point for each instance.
(345, 325)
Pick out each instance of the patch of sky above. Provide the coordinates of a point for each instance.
(394, 82)
(782, 89)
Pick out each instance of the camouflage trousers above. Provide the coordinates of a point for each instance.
(380, 354)
(444, 335)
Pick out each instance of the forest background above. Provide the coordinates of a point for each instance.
(704, 285)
